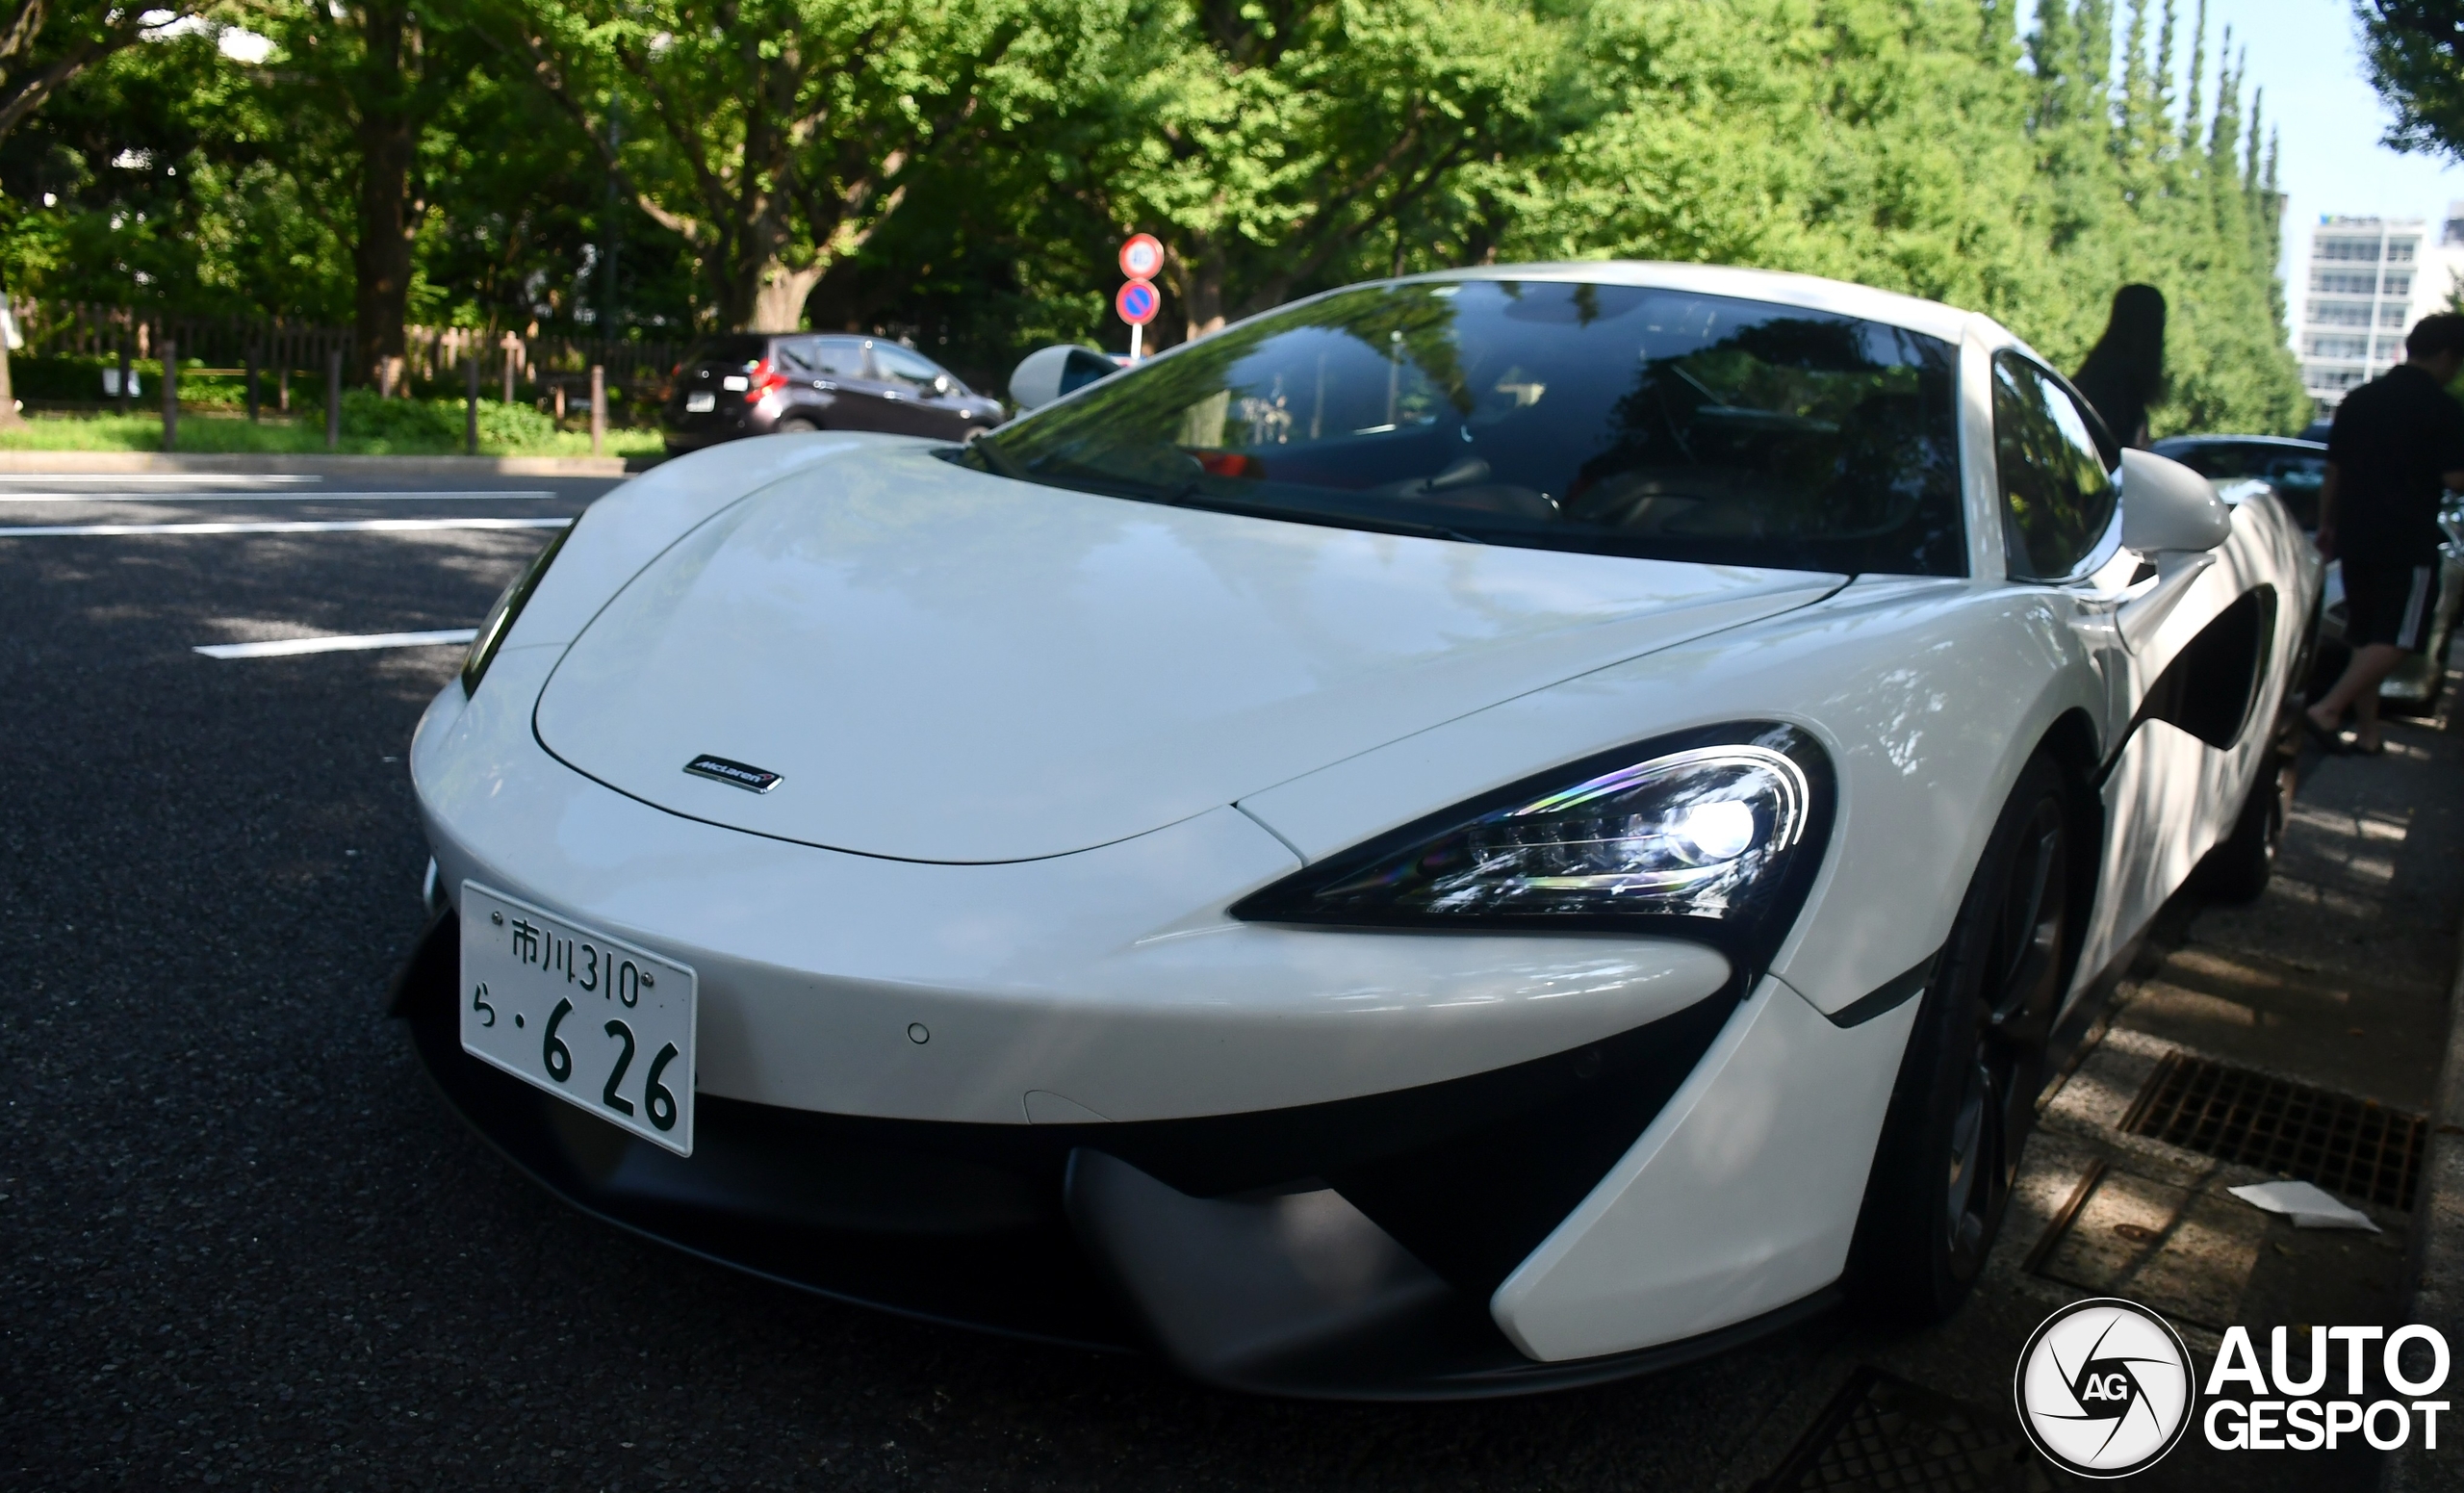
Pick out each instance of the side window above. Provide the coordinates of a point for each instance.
(900, 366)
(835, 357)
(2057, 495)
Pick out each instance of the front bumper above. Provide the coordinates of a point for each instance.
(1345, 1249)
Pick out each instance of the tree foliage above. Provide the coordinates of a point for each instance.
(2415, 49)
(960, 171)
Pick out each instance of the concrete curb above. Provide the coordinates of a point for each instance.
(2434, 1272)
(103, 462)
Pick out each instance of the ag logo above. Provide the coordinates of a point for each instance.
(2104, 1388)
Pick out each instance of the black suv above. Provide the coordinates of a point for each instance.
(760, 384)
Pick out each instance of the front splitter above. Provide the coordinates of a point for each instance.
(1058, 1234)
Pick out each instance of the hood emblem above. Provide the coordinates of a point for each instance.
(718, 769)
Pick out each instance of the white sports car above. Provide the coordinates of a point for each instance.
(1465, 834)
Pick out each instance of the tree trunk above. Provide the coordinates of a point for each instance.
(9, 416)
(1201, 286)
(387, 139)
(778, 296)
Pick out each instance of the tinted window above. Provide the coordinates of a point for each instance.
(2057, 495)
(2296, 473)
(826, 356)
(1614, 419)
(732, 350)
(900, 366)
(836, 356)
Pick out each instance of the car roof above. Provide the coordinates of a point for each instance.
(2287, 443)
(1811, 292)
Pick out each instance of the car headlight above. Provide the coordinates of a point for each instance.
(1712, 835)
(500, 618)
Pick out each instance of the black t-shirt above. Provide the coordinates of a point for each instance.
(2394, 439)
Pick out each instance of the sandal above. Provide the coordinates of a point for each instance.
(2329, 741)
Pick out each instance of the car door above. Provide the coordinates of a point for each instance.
(931, 402)
(2179, 640)
(835, 387)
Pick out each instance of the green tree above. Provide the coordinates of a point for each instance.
(2415, 52)
(1274, 146)
(150, 181)
(360, 85)
(43, 46)
(776, 136)
(1894, 143)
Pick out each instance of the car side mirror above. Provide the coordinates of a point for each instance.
(1046, 374)
(2166, 506)
(942, 383)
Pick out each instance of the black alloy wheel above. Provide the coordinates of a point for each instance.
(1966, 1100)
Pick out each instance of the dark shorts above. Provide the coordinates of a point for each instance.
(2389, 603)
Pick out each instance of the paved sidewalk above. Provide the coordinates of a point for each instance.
(115, 462)
(2337, 979)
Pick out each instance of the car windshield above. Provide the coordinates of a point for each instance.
(2297, 473)
(1612, 419)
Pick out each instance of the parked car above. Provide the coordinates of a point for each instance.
(760, 384)
(1469, 834)
(2297, 470)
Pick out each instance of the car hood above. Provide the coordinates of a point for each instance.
(943, 665)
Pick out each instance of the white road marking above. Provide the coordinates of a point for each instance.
(283, 648)
(286, 526)
(166, 479)
(388, 496)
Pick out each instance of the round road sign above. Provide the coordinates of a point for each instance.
(1138, 302)
(1140, 257)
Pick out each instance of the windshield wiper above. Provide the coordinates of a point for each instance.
(995, 460)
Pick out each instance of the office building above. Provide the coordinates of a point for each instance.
(2369, 279)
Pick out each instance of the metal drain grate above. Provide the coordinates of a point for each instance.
(2351, 1147)
(1882, 1432)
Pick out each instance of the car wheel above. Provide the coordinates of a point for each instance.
(2238, 868)
(1966, 1098)
(795, 425)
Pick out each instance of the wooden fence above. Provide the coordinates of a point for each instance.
(432, 354)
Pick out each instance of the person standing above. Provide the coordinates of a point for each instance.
(2125, 369)
(2397, 444)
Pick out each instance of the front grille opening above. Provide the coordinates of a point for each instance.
(2352, 1147)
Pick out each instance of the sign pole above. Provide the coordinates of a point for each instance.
(1134, 338)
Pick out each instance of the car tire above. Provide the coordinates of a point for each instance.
(795, 425)
(2237, 869)
(1966, 1098)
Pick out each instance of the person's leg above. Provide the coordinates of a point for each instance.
(2386, 614)
(2357, 691)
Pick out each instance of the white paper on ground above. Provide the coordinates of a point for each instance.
(2308, 1206)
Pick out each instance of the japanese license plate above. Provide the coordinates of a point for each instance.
(701, 403)
(594, 1020)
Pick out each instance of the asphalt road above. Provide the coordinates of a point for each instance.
(247, 1246)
